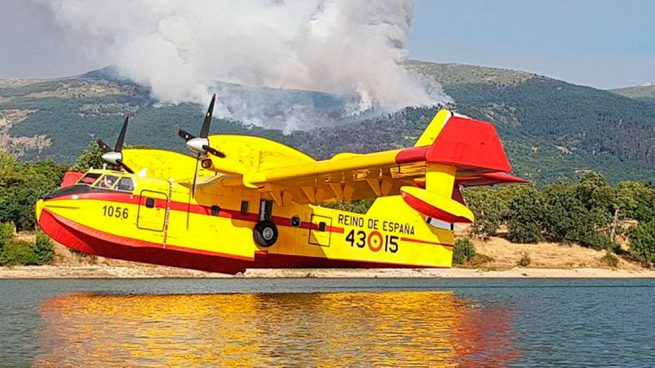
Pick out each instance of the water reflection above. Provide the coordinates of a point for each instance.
(326, 329)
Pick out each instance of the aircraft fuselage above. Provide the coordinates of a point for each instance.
(125, 216)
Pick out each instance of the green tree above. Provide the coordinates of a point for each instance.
(20, 187)
(642, 241)
(575, 213)
(637, 200)
(597, 197)
(525, 216)
(565, 216)
(12, 187)
(489, 209)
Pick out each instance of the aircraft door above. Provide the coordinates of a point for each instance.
(152, 210)
(319, 232)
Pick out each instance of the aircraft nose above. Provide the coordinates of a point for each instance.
(38, 208)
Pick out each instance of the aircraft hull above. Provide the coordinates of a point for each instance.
(89, 241)
(192, 235)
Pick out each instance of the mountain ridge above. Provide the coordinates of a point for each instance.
(552, 130)
(643, 92)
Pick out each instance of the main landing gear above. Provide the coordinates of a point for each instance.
(265, 232)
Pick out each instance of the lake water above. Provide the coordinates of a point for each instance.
(327, 322)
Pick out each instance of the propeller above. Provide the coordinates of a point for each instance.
(200, 144)
(115, 156)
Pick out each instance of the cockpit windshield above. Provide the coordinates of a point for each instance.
(89, 178)
(106, 181)
(125, 184)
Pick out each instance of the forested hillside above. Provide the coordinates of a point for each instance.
(551, 129)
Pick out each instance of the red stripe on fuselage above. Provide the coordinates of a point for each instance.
(129, 198)
(80, 238)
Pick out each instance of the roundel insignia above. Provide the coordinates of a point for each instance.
(375, 241)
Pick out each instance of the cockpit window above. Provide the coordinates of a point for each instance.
(125, 184)
(106, 181)
(89, 178)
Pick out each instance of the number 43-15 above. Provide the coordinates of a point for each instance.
(374, 240)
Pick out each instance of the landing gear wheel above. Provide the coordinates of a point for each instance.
(265, 233)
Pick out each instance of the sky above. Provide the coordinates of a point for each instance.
(600, 43)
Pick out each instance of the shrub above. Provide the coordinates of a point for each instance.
(599, 241)
(6, 233)
(642, 241)
(463, 251)
(523, 232)
(524, 261)
(43, 249)
(18, 252)
(610, 259)
(479, 260)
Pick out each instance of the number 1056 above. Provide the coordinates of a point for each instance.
(118, 212)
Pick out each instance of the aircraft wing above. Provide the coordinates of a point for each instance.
(158, 163)
(454, 150)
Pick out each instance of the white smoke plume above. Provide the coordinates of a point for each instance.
(352, 48)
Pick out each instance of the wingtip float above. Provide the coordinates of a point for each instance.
(256, 203)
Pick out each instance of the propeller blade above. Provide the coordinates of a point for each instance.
(125, 167)
(186, 136)
(195, 177)
(192, 193)
(121, 136)
(214, 152)
(103, 146)
(204, 131)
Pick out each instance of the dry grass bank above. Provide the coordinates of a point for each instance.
(545, 255)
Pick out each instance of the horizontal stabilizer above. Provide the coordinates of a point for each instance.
(490, 179)
(440, 207)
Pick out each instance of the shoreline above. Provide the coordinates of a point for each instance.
(153, 272)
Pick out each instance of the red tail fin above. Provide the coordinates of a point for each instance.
(469, 144)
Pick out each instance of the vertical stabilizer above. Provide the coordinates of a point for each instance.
(434, 128)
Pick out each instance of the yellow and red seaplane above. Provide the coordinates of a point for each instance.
(254, 203)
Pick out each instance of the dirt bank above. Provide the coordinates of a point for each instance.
(547, 260)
